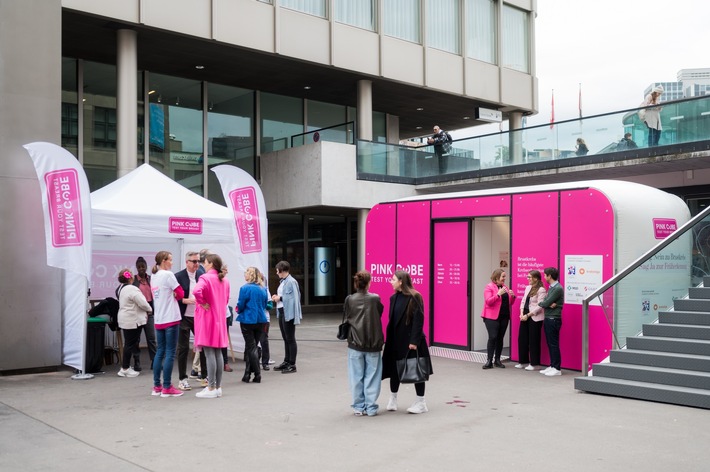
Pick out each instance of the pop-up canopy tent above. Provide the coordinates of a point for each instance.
(145, 212)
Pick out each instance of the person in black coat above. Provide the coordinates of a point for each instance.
(404, 334)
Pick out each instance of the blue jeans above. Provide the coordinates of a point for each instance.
(365, 374)
(552, 333)
(165, 355)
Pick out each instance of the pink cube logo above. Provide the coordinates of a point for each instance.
(663, 227)
(65, 212)
(246, 218)
(182, 225)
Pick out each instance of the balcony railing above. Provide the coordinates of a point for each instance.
(684, 121)
(343, 133)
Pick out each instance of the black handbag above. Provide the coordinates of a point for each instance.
(413, 369)
(343, 331)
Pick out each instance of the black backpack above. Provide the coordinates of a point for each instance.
(447, 142)
(109, 307)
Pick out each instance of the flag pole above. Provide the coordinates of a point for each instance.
(82, 374)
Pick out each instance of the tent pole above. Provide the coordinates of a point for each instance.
(82, 375)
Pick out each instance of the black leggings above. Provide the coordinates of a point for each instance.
(418, 387)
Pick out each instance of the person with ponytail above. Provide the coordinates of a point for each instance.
(166, 292)
(211, 298)
(531, 318)
(363, 312)
(405, 333)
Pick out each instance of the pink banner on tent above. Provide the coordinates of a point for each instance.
(65, 208)
(182, 225)
(534, 229)
(246, 218)
(586, 228)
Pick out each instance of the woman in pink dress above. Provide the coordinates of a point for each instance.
(211, 298)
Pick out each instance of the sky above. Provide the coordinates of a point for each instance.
(614, 49)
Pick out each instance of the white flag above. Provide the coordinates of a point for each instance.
(66, 201)
(244, 197)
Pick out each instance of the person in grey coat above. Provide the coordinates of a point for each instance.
(288, 311)
(363, 312)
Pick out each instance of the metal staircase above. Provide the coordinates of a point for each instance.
(668, 363)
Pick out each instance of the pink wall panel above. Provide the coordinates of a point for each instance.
(586, 228)
(380, 251)
(413, 248)
(534, 230)
(471, 206)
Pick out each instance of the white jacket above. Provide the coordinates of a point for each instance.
(537, 312)
(133, 308)
(653, 115)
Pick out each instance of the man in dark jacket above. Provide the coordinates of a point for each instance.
(187, 278)
(552, 304)
(439, 140)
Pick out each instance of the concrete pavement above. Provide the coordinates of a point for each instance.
(499, 419)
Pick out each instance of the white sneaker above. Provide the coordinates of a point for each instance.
(207, 393)
(552, 372)
(184, 384)
(219, 392)
(128, 372)
(417, 407)
(519, 366)
(392, 404)
(530, 367)
(271, 362)
(544, 371)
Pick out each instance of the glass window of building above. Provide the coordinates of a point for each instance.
(230, 132)
(175, 128)
(281, 118)
(70, 107)
(402, 19)
(379, 127)
(443, 25)
(328, 115)
(286, 244)
(328, 255)
(515, 52)
(99, 134)
(481, 31)
(360, 13)
(312, 7)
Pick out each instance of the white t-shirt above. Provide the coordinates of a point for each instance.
(190, 309)
(166, 309)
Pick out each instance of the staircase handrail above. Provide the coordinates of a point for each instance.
(622, 274)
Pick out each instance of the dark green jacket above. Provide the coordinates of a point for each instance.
(555, 295)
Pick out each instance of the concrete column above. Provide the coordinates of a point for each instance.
(516, 138)
(364, 110)
(126, 101)
(361, 229)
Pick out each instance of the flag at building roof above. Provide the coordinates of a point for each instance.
(552, 113)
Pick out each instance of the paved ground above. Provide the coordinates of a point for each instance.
(500, 419)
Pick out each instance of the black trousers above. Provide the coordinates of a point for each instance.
(419, 387)
(265, 352)
(132, 338)
(529, 342)
(183, 348)
(288, 332)
(252, 335)
(496, 334)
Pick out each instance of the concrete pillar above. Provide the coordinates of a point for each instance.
(361, 229)
(126, 101)
(515, 138)
(364, 110)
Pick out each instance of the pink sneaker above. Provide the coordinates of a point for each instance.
(156, 391)
(171, 392)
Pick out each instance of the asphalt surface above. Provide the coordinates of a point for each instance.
(498, 419)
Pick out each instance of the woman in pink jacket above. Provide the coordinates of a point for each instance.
(211, 299)
(497, 301)
(531, 318)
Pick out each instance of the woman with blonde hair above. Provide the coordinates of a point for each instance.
(531, 318)
(251, 315)
(211, 299)
(166, 292)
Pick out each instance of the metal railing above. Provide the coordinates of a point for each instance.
(342, 133)
(662, 274)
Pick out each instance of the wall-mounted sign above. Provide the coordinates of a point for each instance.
(491, 116)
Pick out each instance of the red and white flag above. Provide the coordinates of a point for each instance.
(244, 197)
(66, 204)
(580, 100)
(552, 113)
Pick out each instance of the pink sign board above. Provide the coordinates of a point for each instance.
(246, 218)
(450, 322)
(534, 229)
(182, 225)
(663, 227)
(472, 206)
(65, 214)
(379, 254)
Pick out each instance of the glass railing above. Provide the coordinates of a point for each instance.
(684, 121)
(635, 295)
(343, 133)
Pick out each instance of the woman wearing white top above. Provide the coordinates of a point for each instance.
(132, 315)
(652, 116)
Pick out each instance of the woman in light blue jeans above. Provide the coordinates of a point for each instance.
(363, 311)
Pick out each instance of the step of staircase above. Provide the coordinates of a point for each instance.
(680, 345)
(669, 360)
(657, 375)
(670, 330)
(699, 292)
(694, 397)
(687, 304)
(684, 317)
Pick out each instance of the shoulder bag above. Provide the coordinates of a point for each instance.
(413, 369)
